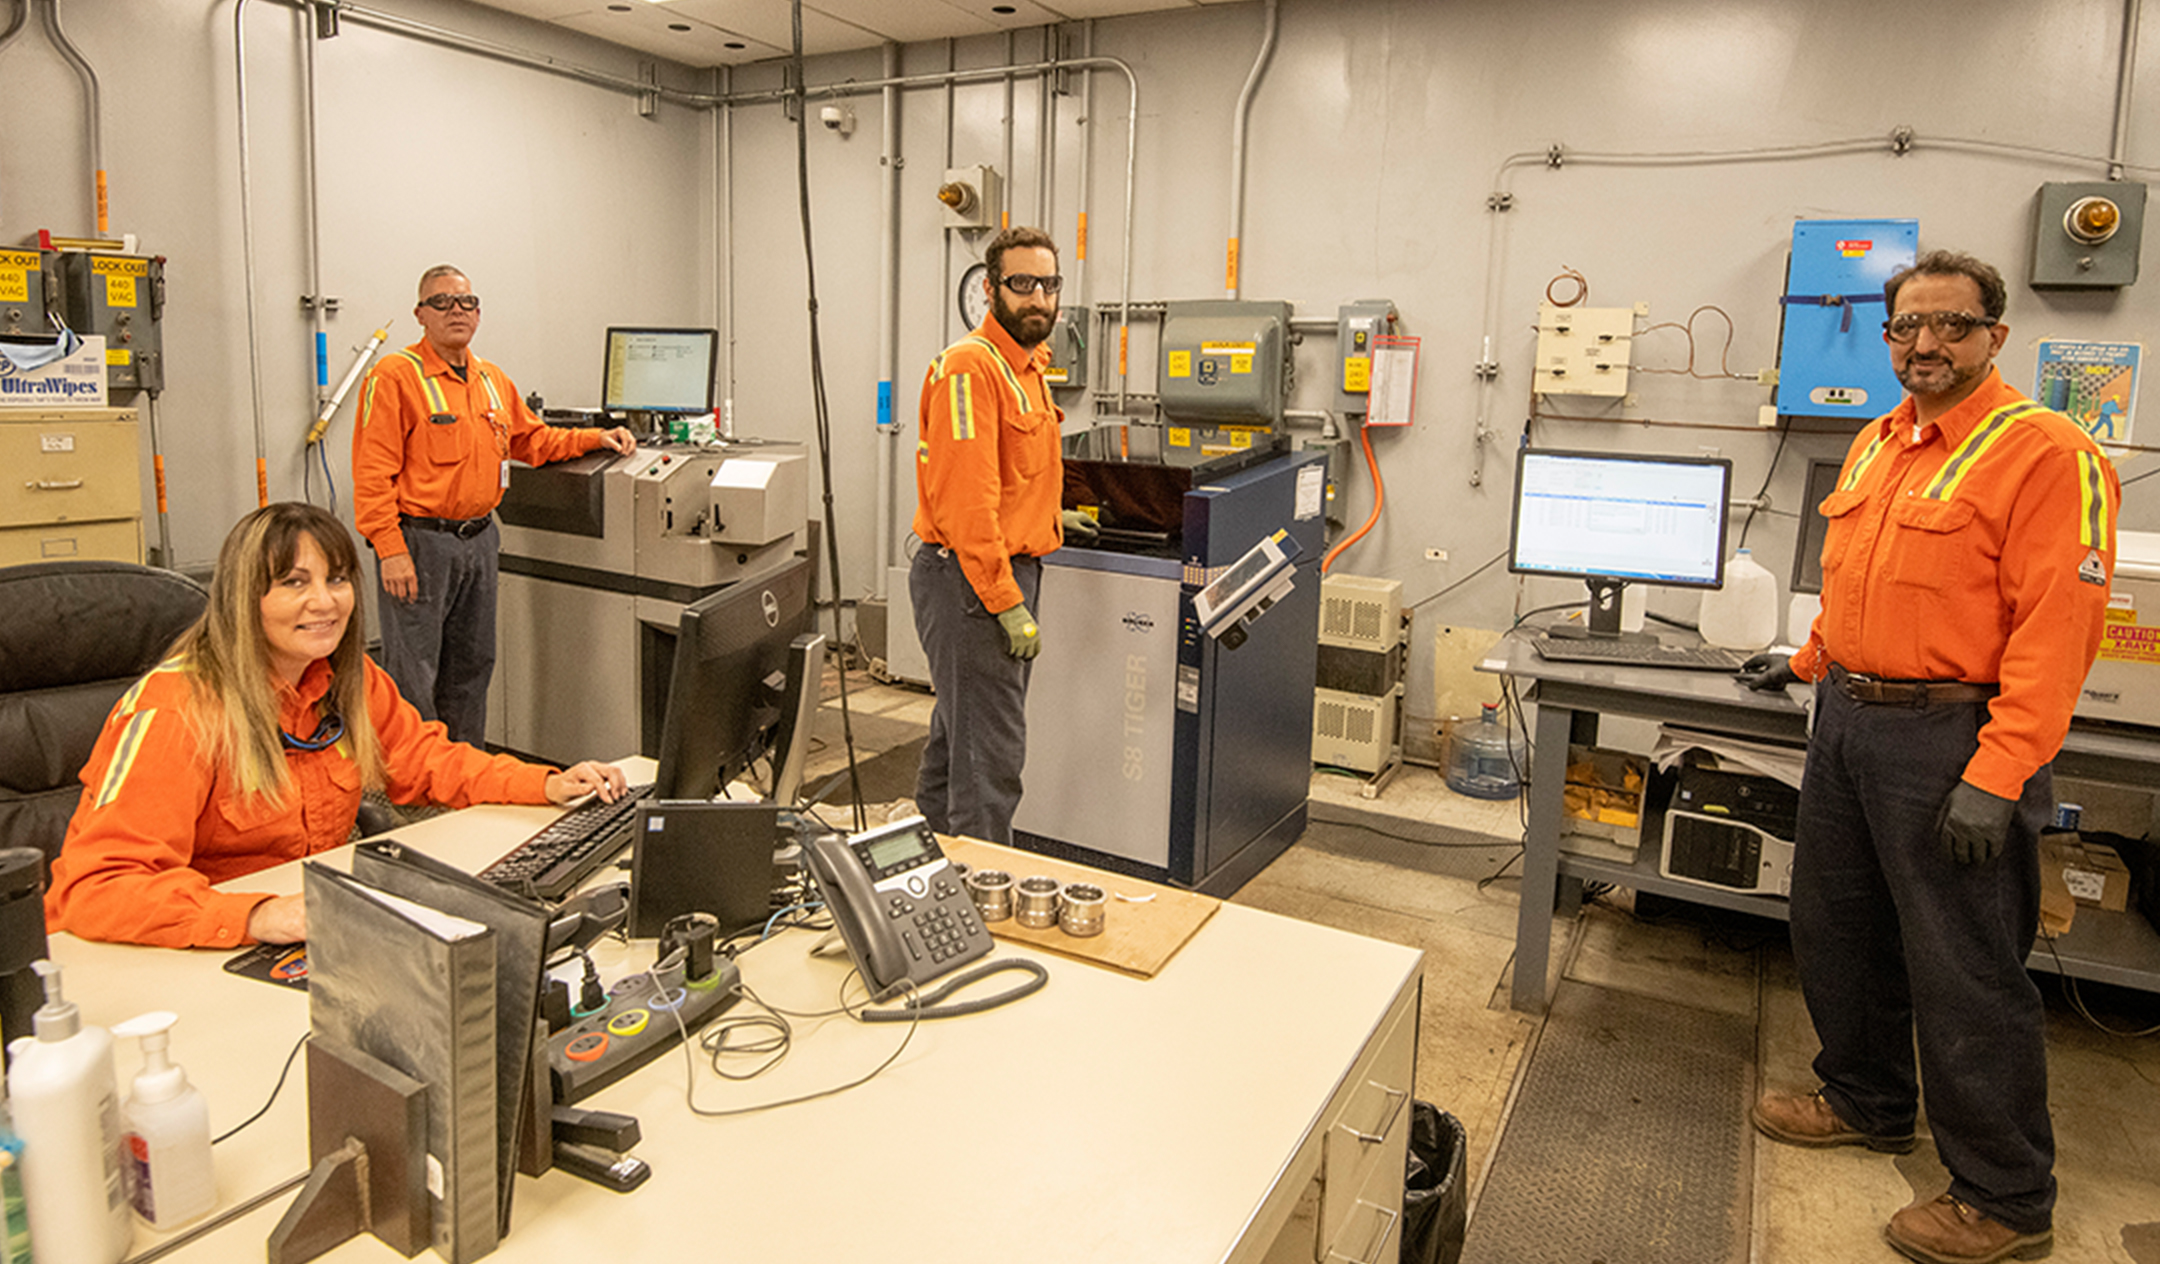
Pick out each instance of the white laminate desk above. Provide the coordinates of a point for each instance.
(1210, 1113)
(2124, 951)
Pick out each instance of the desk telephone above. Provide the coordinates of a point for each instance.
(899, 905)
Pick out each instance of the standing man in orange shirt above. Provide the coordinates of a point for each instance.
(989, 483)
(438, 429)
(1965, 577)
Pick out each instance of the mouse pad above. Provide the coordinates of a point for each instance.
(282, 964)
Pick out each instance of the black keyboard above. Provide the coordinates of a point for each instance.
(1625, 653)
(570, 849)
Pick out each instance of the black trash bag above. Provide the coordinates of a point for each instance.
(1436, 1197)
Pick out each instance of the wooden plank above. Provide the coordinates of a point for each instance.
(1140, 934)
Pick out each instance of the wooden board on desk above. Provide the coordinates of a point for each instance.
(1139, 938)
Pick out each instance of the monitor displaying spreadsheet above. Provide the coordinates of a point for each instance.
(1632, 519)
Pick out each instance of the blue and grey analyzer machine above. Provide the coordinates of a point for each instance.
(1160, 743)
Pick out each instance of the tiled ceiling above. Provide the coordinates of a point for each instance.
(731, 32)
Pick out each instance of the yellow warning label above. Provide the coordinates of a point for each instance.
(1241, 439)
(1241, 364)
(1180, 437)
(119, 357)
(120, 267)
(1227, 348)
(18, 261)
(14, 287)
(1357, 373)
(119, 291)
(1181, 364)
(2130, 642)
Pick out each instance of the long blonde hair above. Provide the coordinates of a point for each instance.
(227, 655)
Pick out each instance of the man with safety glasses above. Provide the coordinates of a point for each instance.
(989, 484)
(1966, 568)
(438, 427)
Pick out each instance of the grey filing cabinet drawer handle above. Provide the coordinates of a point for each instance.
(1380, 1239)
(1387, 1124)
(53, 484)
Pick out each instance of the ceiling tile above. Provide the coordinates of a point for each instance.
(664, 31)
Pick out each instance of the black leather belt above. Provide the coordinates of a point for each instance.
(462, 528)
(1909, 693)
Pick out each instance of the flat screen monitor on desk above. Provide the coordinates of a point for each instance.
(659, 371)
(1612, 520)
(745, 685)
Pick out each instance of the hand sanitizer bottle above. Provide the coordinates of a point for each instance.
(67, 1113)
(166, 1146)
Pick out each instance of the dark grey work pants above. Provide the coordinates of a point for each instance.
(1892, 936)
(970, 778)
(441, 648)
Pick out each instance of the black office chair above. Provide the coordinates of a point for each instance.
(73, 637)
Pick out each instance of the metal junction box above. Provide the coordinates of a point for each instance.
(2086, 235)
(1068, 368)
(1223, 363)
(22, 292)
(123, 298)
(1831, 361)
(1356, 325)
(1583, 350)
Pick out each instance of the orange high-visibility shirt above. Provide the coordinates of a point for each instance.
(1979, 549)
(159, 824)
(989, 474)
(431, 446)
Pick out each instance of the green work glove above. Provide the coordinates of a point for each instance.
(1974, 823)
(1022, 638)
(1078, 526)
(1767, 672)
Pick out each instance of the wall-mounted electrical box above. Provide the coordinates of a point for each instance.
(1356, 325)
(1068, 342)
(1222, 361)
(974, 197)
(22, 293)
(1583, 350)
(121, 297)
(1831, 360)
(2086, 235)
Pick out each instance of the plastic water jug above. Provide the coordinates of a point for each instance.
(1743, 615)
(1800, 617)
(1482, 761)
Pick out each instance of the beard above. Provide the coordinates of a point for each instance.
(1936, 375)
(1028, 328)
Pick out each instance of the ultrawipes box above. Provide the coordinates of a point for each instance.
(73, 381)
(2124, 683)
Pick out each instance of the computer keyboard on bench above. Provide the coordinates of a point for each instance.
(570, 849)
(1627, 653)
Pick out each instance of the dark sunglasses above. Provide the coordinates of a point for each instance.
(1022, 283)
(444, 302)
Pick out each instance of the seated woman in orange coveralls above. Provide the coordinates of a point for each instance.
(250, 745)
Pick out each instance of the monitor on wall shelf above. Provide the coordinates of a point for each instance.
(1611, 520)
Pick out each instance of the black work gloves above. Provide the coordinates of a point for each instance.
(1766, 672)
(1974, 823)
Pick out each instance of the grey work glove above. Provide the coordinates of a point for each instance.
(1766, 672)
(1974, 824)
(1078, 526)
(1022, 638)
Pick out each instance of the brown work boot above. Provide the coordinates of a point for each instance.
(1947, 1231)
(1805, 1119)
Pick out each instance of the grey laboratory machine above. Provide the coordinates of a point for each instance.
(599, 556)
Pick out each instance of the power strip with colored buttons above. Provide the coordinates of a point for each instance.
(635, 1027)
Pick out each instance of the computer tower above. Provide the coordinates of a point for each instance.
(1732, 830)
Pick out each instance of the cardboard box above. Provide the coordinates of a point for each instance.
(1604, 793)
(75, 382)
(2094, 875)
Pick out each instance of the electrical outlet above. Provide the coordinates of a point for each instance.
(1436, 555)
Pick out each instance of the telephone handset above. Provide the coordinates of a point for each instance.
(899, 905)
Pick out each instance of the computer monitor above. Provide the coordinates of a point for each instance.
(745, 686)
(1612, 520)
(659, 370)
(1822, 477)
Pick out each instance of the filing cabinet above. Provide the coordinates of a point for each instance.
(71, 487)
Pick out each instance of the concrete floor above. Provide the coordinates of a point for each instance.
(1422, 888)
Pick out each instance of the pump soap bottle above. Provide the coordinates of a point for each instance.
(67, 1113)
(166, 1146)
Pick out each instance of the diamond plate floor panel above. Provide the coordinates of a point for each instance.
(1629, 1143)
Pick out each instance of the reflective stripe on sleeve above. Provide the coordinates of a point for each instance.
(124, 752)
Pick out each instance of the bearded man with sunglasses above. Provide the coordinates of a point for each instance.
(1966, 570)
(989, 486)
(438, 427)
